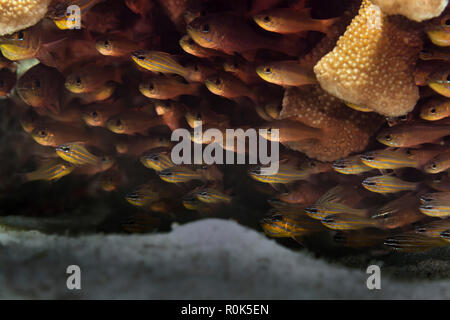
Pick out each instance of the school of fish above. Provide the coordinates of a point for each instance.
(110, 94)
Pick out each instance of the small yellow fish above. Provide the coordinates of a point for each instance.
(279, 225)
(320, 210)
(115, 46)
(157, 61)
(191, 47)
(435, 109)
(436, 196)
(439, 81)
(388, 184)
(164, 88)
(62, 19)
(143, 196)
(180, 174)
(286, 73)
(212, 196)
(436, 208)
(132, 122)
(191, 202)
(413, 242)
(97, 115)
(288, 174)
(55, 134)
(229, 86)
(110, 180)
(50, 171)
(91, 78)
(438, 164)
(410, 135)
(286, 21)
(157, 159)
(100, 94)
(351, 165)
(389, 159)
(438, 31)
(434, 229)
(77, 154)
(241, 68)
(23, 44)
(439, 182)
(347, 221)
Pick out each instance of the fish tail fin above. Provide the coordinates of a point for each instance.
(326, 25)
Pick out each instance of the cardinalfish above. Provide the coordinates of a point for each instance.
(434, 229)
(286, 207)
(77, 154)
(143, 196)
(132, 122)
(164, 88)
(180, 174)
(279, 225)
(172, 112)
(97, 115)
(241, 68)
(229, 86)
(105, 163)
(436, 196)
(206, 115)
(389, 159)
(110, 180)
(191, 202)
(50, 171)
(439, 81)
(436, 208)
(191, 47)
(388, 184)
(287, 174)
(136, 145)
(302, 193)
(24, 44)
(212, 196)
(157, 159)
(40, 87)
(446, 235)
(64, 20)
(347, 221)
(435, 109)
(399, 212)
(438, 31)
(351, 165)
(7, 81)
(435, 54)
(439, 182)
(413, 242)
(409, 135)
(286, 21)
(439, 163)
(230, 33)
(92, 77)
(322, 209)
(286, 73)
(160, 62)
(55, 134)
(101, 94)
(360, 238)
(116, 46)
(199, 71)
(289, 131)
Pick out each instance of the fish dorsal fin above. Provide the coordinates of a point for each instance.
(332, 195)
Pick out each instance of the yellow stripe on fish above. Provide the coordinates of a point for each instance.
(212, 196)
(389, 159)
(351, 165)
(77, 154)
(388, 184)
(158, 62)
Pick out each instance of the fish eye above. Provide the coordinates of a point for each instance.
(65, 148)
(312, 164)
(37, 83)
(106, 44)
(151, 86)
(199, 116)
(447, 22)
(269, 130)
(256, 171)
(268, 70)
(195, 67)
(403, 118)
(42, 133)
(433, 110)
(205, 28)
(154, 157)
(408, 152)
(433, 166)
(218, 81)
(191, 42)
(370, 183)
(94, 114)
(311, 210)
(388, 137)
(78, 80)
(203, 193)
(276, 217)
(118, 123)
(20, 35)
(267, 19)
(104, 159)
(421, 229)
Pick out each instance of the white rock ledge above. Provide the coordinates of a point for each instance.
(206, 259)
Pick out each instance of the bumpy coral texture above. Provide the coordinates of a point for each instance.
(373, 62)
(16, 15)
(344, 131)
(417, 10)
